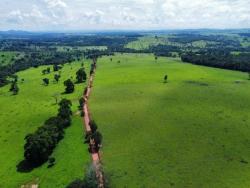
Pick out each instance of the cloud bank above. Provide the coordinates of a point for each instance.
(123, 14)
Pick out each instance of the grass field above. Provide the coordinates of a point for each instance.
(190, 132)
(23, 114)
(146, 41)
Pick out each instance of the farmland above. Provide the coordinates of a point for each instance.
(192, 131)
(24, 113)
(167, 109)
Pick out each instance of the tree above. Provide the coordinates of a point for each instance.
(165, 78)
(57, 77)
(81, 75)
(93, 126)
(44, 71)
(14, 88)
(46, 81)
(69, 86)
(156, 58)
(248, 75)
(48, 70)
(14, 77)
(97, 136)
(56, 67)
(64, 109)
(40, 145)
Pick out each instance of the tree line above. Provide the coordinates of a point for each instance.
(219, 59)
(40, 145)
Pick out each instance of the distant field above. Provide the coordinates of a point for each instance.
(23, 114)
(83, 48)
(145, 42)
(8, 57)
(191, 132)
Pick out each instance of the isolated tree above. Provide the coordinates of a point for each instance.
(156, 58)
(165, 78)
(46, 81)
(248, 75)
(57, 77)
(111, 59)
(70, 87)
(81, 75)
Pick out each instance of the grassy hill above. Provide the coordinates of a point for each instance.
(190, 132)
(24, 113)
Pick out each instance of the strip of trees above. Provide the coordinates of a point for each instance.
(219, 59)
(40, 145)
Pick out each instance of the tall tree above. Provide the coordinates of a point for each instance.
(70, 87)
(81, 75)
(166, 78)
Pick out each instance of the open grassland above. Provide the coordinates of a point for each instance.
(193, 131)
(24, 113)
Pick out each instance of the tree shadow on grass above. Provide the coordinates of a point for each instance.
(25, 167)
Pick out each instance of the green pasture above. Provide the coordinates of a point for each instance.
(193, 131)
(24, 113)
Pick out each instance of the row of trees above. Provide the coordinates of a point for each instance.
(40, 145)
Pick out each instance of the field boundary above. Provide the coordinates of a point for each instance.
(95, 155)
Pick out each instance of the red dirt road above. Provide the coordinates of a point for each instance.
(95, 155)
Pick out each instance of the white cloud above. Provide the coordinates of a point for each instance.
(123, 14)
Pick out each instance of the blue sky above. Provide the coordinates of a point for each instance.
(59, 15)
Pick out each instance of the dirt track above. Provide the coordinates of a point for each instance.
(94, 154)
